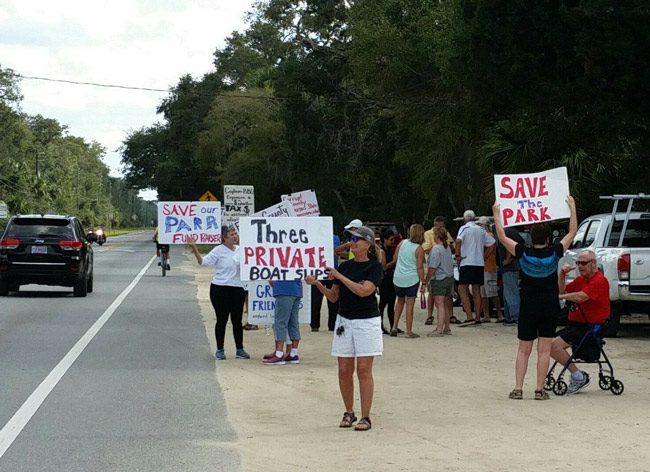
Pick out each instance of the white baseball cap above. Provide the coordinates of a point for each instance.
(356, 223)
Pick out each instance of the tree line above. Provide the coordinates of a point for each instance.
(44, 169)
(403, 109)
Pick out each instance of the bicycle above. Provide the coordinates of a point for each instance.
(164, 257)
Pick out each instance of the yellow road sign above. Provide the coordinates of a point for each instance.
(208, 197)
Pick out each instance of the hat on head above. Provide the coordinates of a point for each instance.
(362, 232)
(469, 214)
(483, 220)
(356, 223)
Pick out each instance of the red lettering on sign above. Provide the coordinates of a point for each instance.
(311, 252)
(543, 214)
(507, 214)
(297, 260)
(283, 255)
(248, 253)
(505, 183)
(531, 215)
(179, 210)
(259, 254)
(322, 262)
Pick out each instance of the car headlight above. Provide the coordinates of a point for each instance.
(99, 232)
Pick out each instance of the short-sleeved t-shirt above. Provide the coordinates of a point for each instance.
(538, 267)
(354, 307)
(440, 258)
(473, 239)
(596, 309)
(292, 288)
(226, 266)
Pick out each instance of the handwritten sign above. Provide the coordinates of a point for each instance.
(304, 203)
(276, 211)
(532, 198)
(184, 222)
(261, 304)
(238, 200)
(288, 248)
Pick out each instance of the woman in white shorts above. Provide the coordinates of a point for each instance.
(357, 333)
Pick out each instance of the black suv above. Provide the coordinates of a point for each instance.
(48, 250)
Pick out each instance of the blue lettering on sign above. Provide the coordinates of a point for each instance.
(197, 222)
(211, 222)
(169, 222)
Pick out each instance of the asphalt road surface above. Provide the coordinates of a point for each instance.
(121, 380)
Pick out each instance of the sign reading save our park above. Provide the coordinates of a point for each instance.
(287, 248)
(184, 222)
(532, 198)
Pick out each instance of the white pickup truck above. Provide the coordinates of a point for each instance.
(623, 253)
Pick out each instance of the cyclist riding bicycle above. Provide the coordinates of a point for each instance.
(161, 247)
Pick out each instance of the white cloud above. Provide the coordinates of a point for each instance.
(145, 43)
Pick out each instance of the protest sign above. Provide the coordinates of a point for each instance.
(532, 198)
(261, 304)
(238, 200)
(184, 222)
(288, 248)
(278, 210)
(304, 203)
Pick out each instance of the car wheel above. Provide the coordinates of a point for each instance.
(80, 289)
(610, 329)
(4, 289)
(89, 284)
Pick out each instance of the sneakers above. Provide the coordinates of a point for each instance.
(274, 360)
(220, 355)
(292, 359)
(576, 385)
(241, 354)
(168, 267)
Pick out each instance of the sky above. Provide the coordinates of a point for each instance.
(140, 43)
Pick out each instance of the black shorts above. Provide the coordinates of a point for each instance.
(162, 247)
(538, 317)
(573, 335)
(471, 275)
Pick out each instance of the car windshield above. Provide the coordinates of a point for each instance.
(39, 228)
(637, 233)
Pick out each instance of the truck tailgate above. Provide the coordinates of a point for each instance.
(640, 270)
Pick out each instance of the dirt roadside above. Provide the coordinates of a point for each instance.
(440, 404)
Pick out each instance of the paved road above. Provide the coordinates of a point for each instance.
(141, 396)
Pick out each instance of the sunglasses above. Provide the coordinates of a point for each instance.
(356, 239)
(583, 263)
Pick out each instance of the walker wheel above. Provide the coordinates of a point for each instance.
(617, 387)
(560, 387)
(548, 383)
(605, 382)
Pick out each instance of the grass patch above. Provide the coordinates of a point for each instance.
(119, 231)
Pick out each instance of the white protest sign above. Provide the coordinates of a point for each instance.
(261, 304)
(304, 203)
(184, 222)
(238, 200)
(278, 210)
(532, 198)
(288, 248)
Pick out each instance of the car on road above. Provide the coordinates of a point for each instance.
(48, 250)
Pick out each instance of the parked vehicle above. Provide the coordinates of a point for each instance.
(97, 235)
(621, 241)
(48, 250)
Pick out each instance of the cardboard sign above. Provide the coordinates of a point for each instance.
(276, 211)
(532, 198)
(261, 304)
(184, 222)
(285, 248)
(304, 203)
(238, 200)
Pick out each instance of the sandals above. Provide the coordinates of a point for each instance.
(250, 327)
(364, 424)
(435, 334)
(348, 419)
(541, 395)
(412, 335)
(454, 320)
(518, 394)
(429, 321)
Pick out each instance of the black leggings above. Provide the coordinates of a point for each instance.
(228, 302)
(387, 300)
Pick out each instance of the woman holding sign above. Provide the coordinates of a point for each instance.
(358, 334)
(539, 295)
(227, 292)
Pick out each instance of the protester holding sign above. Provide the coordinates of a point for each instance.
(539, 295)
(227, 292)
(358, 325)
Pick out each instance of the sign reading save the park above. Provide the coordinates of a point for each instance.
(532, 198)
(184, 222)
(287, 248)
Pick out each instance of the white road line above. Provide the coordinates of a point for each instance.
(15, 425)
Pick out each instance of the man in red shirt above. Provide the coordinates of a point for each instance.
(590, 290)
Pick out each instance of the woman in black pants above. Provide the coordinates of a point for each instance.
(227, 292)
(386, 288)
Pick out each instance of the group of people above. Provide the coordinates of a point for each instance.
(423, 262)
